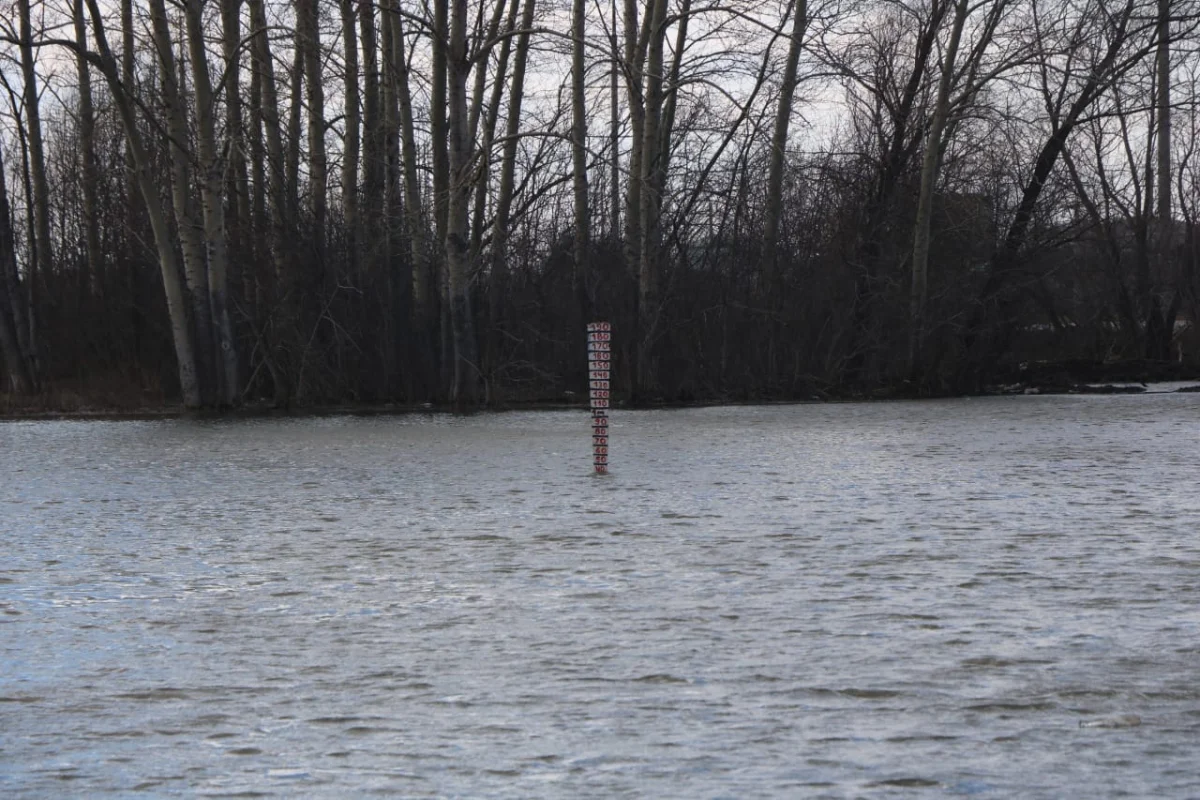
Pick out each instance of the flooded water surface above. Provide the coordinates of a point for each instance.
(995, 597)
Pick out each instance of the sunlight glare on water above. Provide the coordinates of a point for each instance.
(995, 597)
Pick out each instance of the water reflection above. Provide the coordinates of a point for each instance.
(821, 600)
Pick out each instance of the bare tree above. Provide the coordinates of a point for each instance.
(929, 174)
(89, 177)
(508, 158)
(351, 139)
(280, 200)
(308, 34)
(1160, 329)
(579, 137)
(614, 128)
(188, 225)
(1098, 46)
(275, 168)
(294, 123)
(887, 77)
(12, 299)
(423, 269)
(181, 333)
(465, 389)
(648, 186)
(43, 256)
(637, 38)
(756, 258)
(212, 166)
(779, 137)
(372, 124)
(438, 132)
(484, 189)
(238, 191)
(1163, 110)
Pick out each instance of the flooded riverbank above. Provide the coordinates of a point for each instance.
(909, 598)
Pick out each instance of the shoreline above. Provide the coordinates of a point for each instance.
(100, 414)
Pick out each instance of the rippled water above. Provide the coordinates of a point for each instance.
(908, 599)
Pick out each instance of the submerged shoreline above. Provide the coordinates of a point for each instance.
(1038, 386)
(268, 608)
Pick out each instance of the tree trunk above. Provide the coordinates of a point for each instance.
(1159, 332)
(127, 78)
(43, 258)
(181, 333)
(276, 166)
(583, 233)
(779, 136)
(636, 37)
(89, 177)
(12, 299)
(188, 226)
(898, 148)
(309, 35)
(464, 389)
(442, 180)
(212, 201)
(666, 128)
(1162, 65)
(295, 117)
(484, 184)
(437, 117)
(238, 189)
(390, 195)
(508, 162)
(372, 128)
(651, 197)
(281, 196)
(257, 149)
(929, 174)
(483, 39)
(351, 141)
(260, 230)
(423, 275)
(25, 334)
(614, 133)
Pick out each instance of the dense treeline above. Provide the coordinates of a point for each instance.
(315, 201)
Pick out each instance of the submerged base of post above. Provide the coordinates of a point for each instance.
(599, 362)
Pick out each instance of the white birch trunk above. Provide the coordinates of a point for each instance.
(212, 201)
(181, 333)
(190, 229)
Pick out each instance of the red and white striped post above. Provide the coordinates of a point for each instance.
(599, 363)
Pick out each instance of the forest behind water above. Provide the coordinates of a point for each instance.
(289, 203)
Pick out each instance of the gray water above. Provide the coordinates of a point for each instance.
(894, 599)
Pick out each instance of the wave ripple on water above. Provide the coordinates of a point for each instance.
(959, 597)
